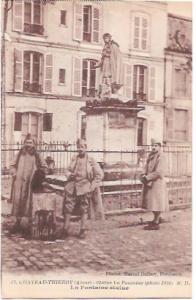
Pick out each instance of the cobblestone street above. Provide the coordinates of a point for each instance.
(118, 244)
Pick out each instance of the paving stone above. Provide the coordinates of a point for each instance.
(40, 264)
(83, 242)
(46, 252)
(27, 263)
(50, 263)
(11, 264)
(57, 260)
(32, 258)
(26, 253)
(111, 248)
(34, 250)
(66, 248)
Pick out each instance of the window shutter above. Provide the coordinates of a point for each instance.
(18, 70)
(127, 80)
(18, 15)
(136, 33)
(144, 34)
(47, 122)
(77, 77)
(18, 121)
(78, 21)
(97, 79)
(48, 73)
(170, 123)
(95, 24)
(152, 84)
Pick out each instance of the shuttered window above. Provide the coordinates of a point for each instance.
(182, 86)
(140, 74)
(27, 16)
(32, 72)
(89, 77)
(87, 22)
(140, 31)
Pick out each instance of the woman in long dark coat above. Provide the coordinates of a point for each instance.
(155, 196)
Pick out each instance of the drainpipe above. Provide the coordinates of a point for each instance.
(3, 75)
(164, 100)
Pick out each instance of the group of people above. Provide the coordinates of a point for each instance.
(84, 176)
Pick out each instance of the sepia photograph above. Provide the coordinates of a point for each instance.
(96, 149)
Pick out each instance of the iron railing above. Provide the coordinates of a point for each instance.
(121, 187)
(177, 158)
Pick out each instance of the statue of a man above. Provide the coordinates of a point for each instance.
(111, 66)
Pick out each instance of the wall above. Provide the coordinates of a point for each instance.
(66, 117)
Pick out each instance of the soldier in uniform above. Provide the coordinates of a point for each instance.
(84, 176)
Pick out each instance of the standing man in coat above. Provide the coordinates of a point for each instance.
(23, 169)
(155, 196)
(84, 177)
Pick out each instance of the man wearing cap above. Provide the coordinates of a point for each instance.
(23, 169)
(84, 176)
(155, 196)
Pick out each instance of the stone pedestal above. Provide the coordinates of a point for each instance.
(111, 127)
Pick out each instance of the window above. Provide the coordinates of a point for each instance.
(63, 17)
(62, 73)
(87, 21)
(33, 17)
(17, 121)
(140, 83)
(29, 123)
(141, 132)
(83, 127)
(32, 71)
(88, 78)
(182, 83)
(27, 16)
(140, 31)
(47, 122)
(181, 121)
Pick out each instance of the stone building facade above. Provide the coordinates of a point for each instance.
(178, 82)
(51, 51)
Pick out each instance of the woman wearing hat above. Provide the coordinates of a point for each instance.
(155, 196)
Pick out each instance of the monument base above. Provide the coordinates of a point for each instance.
(111, 128)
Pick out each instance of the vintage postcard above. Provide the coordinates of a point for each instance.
(96, 109)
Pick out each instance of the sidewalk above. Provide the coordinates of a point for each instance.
(118, 244)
